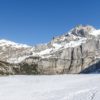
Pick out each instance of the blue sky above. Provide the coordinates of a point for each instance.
(37, 21)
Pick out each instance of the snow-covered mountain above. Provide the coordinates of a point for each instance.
(71, 52)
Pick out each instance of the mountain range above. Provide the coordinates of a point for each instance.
(77, 51)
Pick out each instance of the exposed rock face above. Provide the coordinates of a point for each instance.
(70, 53)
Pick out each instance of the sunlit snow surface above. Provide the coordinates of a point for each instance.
(95, 32)
(61, 87)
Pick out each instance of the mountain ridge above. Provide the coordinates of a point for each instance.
(69, 53)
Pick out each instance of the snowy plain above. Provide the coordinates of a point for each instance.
(54, 87)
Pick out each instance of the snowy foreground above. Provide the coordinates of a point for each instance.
(60, 87)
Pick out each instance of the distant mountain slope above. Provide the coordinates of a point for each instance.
(72, 52)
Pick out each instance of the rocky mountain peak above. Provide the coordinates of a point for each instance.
(74, 34)
(82, 31)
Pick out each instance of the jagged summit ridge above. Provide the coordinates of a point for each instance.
(75, 33)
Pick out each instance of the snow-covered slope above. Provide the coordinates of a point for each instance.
(61, 87)
(4, 42)
(95, 32)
